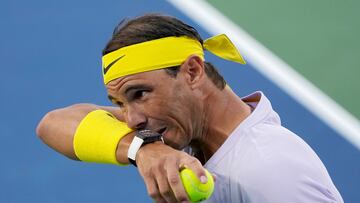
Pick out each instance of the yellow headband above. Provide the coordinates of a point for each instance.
(163, 53)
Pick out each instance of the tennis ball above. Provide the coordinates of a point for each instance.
(196, 190)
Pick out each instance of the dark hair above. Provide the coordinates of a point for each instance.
(154, 26)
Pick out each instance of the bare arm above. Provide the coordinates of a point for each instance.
(57, 129)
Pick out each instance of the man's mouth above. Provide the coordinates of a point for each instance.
(162, 131)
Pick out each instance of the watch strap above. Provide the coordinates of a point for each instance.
(140, 140)
(134, 148)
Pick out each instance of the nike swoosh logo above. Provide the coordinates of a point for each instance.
(106, 69)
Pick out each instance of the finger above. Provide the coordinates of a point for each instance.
(160, 200)
(195, 165)
(152, 189)
(174, 180)
(214, 176)
(164, 186)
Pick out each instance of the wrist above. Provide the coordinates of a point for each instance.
(122, 148)
(142, 138)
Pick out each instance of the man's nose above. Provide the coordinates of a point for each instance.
(135, 118)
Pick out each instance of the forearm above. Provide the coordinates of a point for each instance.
(58, 127)
(157, 163)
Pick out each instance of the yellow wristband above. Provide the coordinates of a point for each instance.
(97, 137)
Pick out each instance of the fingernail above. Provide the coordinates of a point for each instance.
(203, 179)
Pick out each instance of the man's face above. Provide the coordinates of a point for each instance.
(157, 101)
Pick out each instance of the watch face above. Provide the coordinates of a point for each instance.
(147, 133)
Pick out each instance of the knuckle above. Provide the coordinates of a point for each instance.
(193, 161)
(184, 154)
(174, 180)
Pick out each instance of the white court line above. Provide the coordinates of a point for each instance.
(274, 68)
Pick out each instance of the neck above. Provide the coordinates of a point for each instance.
(224, 112)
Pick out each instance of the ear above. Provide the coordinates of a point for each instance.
(193, 69)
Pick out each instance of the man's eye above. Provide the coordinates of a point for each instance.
(120, 104)
(139, 94)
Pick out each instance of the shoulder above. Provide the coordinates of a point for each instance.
(272, 163)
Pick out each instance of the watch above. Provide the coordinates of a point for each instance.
(142, 137)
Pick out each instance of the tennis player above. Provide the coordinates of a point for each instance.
(155, 72)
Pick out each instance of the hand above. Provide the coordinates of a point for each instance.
(159, 166)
